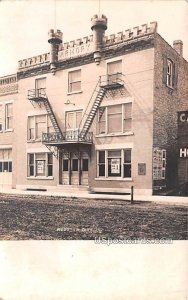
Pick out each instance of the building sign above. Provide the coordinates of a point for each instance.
(75, 51)
(159, 163)
(183, 117)
(183, 152)
(40, 166)
(141, 169)
(115, 166)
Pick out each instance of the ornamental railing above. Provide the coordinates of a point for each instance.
(65, 137)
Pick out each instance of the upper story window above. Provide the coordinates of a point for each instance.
(74, 81)
(170, 73)
(8, 116)
(115, 119)
(73, 119)
(113, 68)
(37, 125)
(1, 117)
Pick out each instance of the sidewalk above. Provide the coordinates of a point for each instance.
(87, 195)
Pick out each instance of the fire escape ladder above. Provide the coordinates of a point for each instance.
(51, 115)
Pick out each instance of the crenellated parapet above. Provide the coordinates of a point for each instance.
(33, 61)
(96, 43)
(8, 84)
(131, 34)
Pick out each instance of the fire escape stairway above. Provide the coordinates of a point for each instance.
(90, 117)
(39, 97)
(105, 84)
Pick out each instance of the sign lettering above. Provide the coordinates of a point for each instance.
(75, 51)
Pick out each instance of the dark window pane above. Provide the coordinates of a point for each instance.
(102, 170)
(6, 166)
(127, 170)
(1, 167)
(101, 156)
(31, 159)
(127, 156)
(50, 170)
(75, 165)
(50, 159)
(85, 165)
(10, 166)
(65, 164)
(31, 171)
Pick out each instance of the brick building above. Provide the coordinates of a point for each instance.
(97, 113)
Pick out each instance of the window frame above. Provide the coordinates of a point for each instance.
(106, 118)
(7, 161)
(47, 122)
(1, 117)
(8, 117)
(47, 165)
(72, 82)
(106, 164)
(74, 112)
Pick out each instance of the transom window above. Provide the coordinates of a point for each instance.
(5, 160)
(115, 119)
(40, 164)
(114, 163)
(74, 83)
(37, 125)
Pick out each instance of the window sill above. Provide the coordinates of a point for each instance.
(76, 92)
(113, 179)
(8, 130)
(115, 134)
(34, 141)
(40, 178)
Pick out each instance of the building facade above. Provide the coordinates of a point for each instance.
(97, 113)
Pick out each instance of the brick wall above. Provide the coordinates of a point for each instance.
(166, 104)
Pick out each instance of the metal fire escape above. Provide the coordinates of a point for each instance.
(106, 84)
(39, 97)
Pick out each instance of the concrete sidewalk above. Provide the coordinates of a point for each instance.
(87, 195)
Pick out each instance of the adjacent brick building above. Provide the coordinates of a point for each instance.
(99, 112)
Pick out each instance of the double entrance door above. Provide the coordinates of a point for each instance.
(74, 168)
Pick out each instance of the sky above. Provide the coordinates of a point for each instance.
(24, 25)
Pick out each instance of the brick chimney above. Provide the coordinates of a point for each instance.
(178, 46)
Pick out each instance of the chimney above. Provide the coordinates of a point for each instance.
(178, 46)
(98, 26)
(55, 39)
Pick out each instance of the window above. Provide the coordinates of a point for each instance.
(115, 119)
(114, 163)
(40, 164)
(74, 164)
(5, 160)
(113, 68)
(8, 116)
(37, 125)
(73, 119)
(1, 117)
(65, 165)
(84, 164)
(170, 72)
(74, 81)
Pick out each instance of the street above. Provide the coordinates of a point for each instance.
(25, 217)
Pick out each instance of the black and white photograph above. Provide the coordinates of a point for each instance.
(93, 149)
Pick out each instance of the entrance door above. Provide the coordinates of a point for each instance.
(75, 168)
